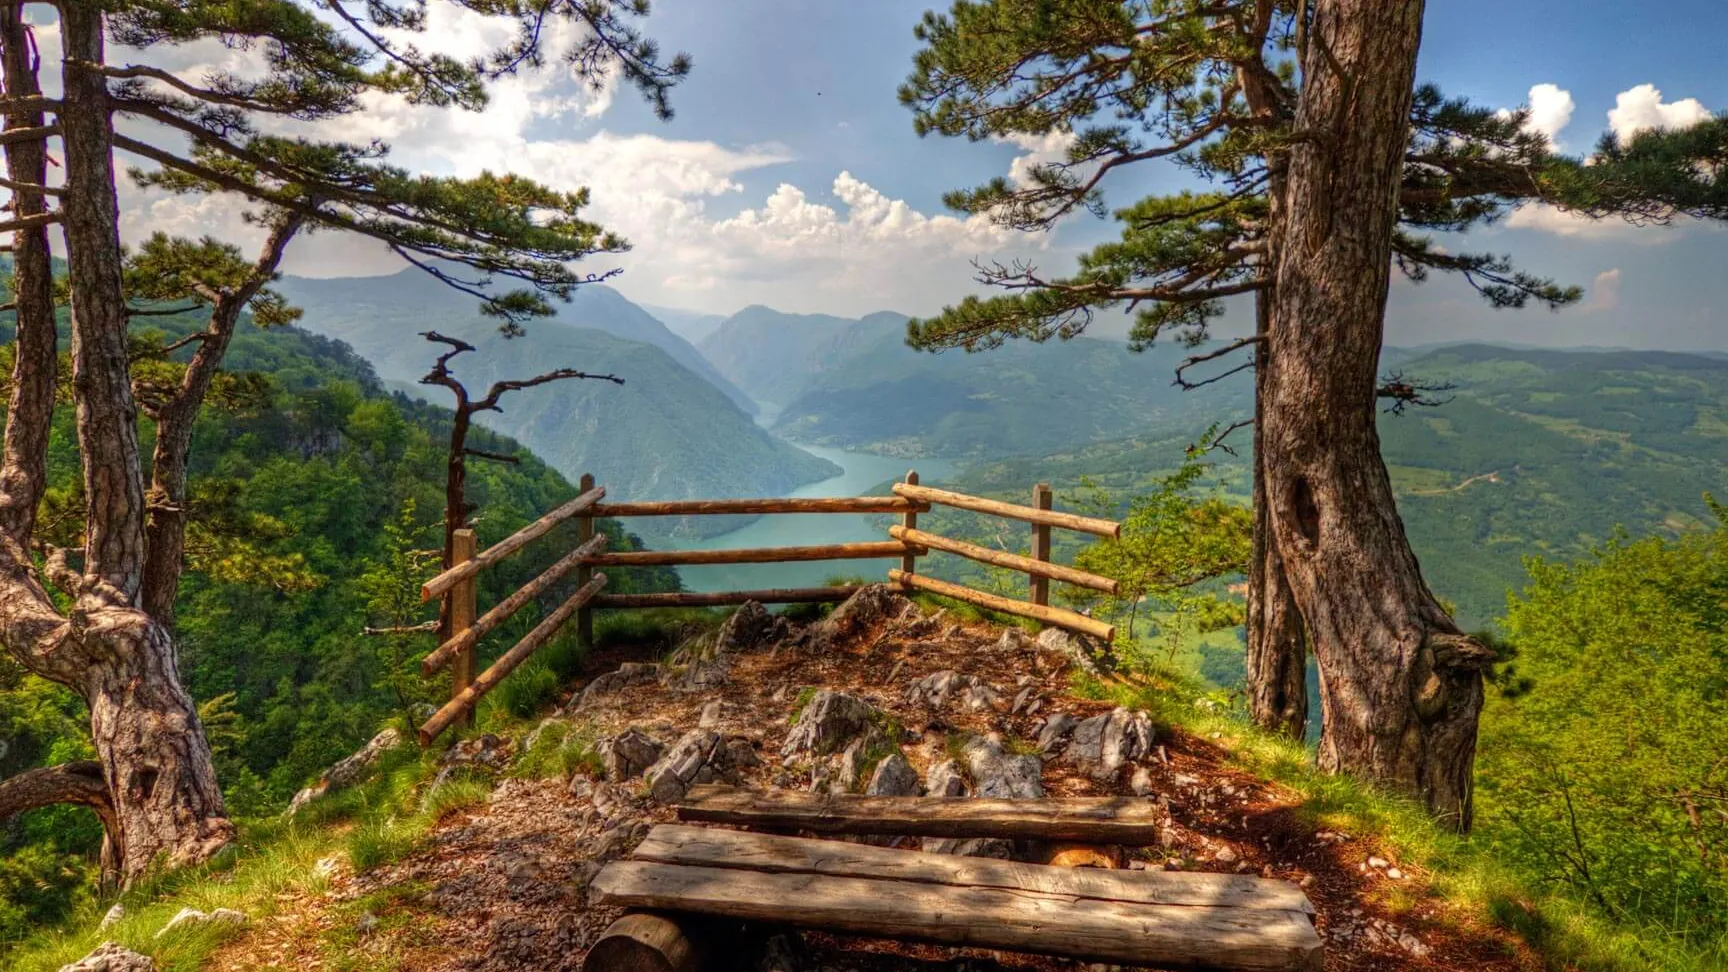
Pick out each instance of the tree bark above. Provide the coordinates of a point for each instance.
(30, 415)
(1401, 689)
(155, 760)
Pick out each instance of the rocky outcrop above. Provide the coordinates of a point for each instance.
(112, 957)
(999, 774)
(1103, 744)
(947, 779)
(937, 690)
(628, 754)
(1086, 654)
(894, 776)
(486, 753)
(627, 674)
(829, 722)
(858, 759)
(349, 771)
(700, 675)
(700, 756)
(190, 918)
(862, 611)
(751, 627)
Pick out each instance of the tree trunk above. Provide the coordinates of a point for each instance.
(154, 756)
(1401, 689)
(1277, 657)
(24, 473)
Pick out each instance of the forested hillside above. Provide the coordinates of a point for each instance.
(313, 490)
(855, 384)
(669, 432)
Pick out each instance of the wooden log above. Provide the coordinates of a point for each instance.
(780, 595)
(1060, 617)
(510, 544)
(1108, 931)
(874, 550)
(1040, 588)
(1093, 820)
(709, 847)
(585, 573)
(834, 504)
(465, 641)
(462, 608)
(1001, 558)
(978, 504)
(642, 942)
(909, 521)
(487, 680)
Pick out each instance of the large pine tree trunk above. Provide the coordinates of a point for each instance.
(1401, 689)
(1277, 656)
(154, 756)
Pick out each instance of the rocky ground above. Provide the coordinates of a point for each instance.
(878, 697)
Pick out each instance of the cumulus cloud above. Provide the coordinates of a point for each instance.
(1551, 108)
(1605, 292)
(1642, 108)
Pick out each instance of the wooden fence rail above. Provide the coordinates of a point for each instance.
(907, 544)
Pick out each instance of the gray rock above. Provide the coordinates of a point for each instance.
(114, 914)
(829, 722)
(1000, 775)
(1015, 641)
(1141, 782)
(190, 918)
(711, 713)
(740, 753)
(937, 690)
(947, 779)
(701, 675)
(751, 627)
(1089, 656)
(867, 608)
(894, 776)
(680, 768)
(112, 957)
(1056, 731)
(550, 724)
(857, 759)
(349, 770)
(628, 674)
(1103, 744)
(629, 754)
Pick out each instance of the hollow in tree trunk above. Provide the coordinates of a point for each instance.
(1401, 688)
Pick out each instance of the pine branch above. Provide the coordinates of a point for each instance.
(79, 783)
(493, 456)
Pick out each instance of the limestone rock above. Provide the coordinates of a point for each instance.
(628, 674)
(858, 758)
(711, 714)
(947, 779)
(629, 754)
(114, 914)
(937, 690)
(1103, 744)
(1090, 657)
(1001, 775)
(751, 627)
(701, 675)
(189, 918)
(1141, 782)
(894, 776)
(699, 757)
(112, 957)
(1056, 731)
(865, 609)
(349, 770)
(829, 722)
(1014, 641)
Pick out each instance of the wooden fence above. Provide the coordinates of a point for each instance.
(906, 543)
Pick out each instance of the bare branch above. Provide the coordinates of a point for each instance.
(494, 456)
(424, 626)
(79, 783)
(498, 390)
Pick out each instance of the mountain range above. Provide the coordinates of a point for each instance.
(675, 429)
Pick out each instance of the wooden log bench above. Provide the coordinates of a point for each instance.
(1147, 918)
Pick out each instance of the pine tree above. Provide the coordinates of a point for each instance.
(1260, 104)
(505, 240)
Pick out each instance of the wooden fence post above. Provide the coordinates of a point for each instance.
(463, 610)
(909, 520)
(1041, 499)
(585, 573)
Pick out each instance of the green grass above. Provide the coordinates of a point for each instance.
(1461, 870)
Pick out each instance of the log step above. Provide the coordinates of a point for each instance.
(1134, 821)
(1197, 937)
(709, 847)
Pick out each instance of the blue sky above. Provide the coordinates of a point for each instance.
(792, 177)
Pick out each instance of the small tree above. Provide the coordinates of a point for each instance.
(317, 62)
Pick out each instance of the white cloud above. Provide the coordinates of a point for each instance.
(1642, 108)
(1605, 292)
(1551, 108)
